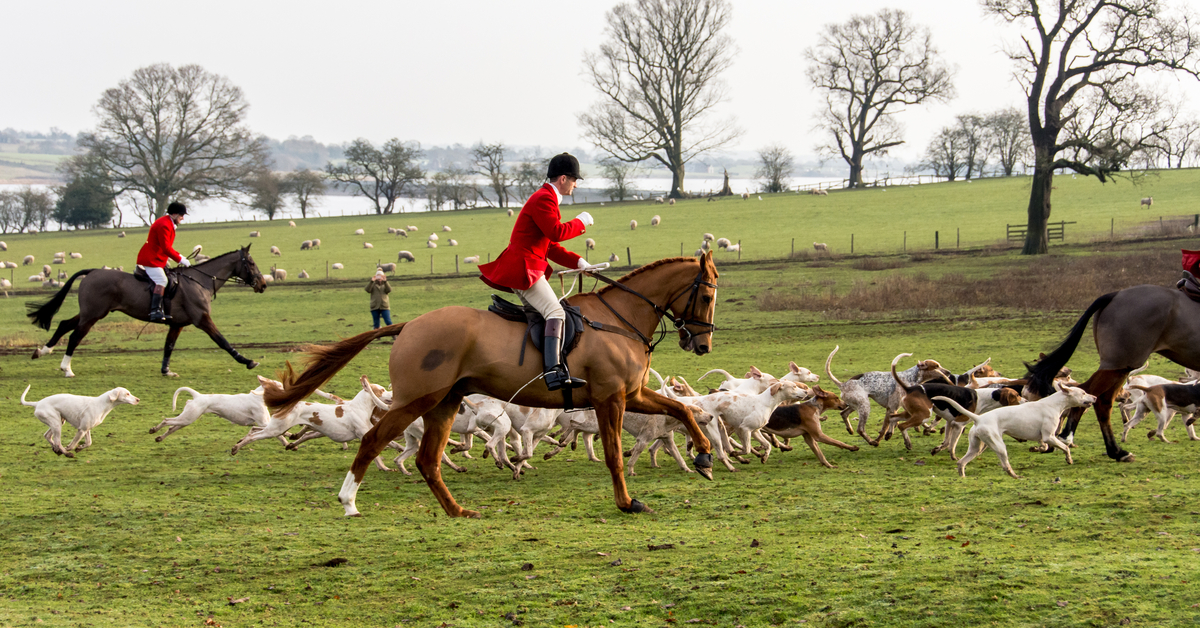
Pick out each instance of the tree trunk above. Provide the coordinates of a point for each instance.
(676, 180)
(856, 171)
(1039, 204)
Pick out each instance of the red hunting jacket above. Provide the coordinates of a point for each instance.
(158, 246)
(535, 237)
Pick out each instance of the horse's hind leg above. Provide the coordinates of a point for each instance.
(438, 422)
(168, 347)
(1105, 385)
(390, 426)
(206, 325)
(81, 330)
(63, 328)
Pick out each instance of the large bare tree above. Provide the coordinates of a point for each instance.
(1077, 65)
(658, 75)
(382, 175)
(1008, 138)
(775, 165)
(308, 186)
(489, 162)
(871, 68)
(946, 154)
(169, 133)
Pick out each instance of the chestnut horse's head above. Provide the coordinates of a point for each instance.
(693, 309)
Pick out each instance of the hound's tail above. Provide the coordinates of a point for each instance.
(661, 384)
(27, 403)
(963, 411)
(900, 382)
(829, 362)
(40, 314)
(323, 362)
(728, 377)
(175, 399)
(1041, 374)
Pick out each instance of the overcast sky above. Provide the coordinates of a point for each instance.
(449, 71)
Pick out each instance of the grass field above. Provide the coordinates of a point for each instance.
(138, 533)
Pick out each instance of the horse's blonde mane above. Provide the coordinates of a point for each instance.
(648, 267)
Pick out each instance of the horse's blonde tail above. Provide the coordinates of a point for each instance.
(322, 363)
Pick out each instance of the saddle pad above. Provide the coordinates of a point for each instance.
(572, 328)
(172, 281)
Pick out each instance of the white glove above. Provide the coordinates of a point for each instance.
(583, 264)
(184, 262)
(586, 219)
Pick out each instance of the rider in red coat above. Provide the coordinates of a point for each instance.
(522, 267)
(156, 251)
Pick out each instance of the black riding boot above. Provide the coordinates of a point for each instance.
(554, 372)
(156, 308)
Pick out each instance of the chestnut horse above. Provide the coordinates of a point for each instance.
(109, 290)
(1130, 325)
(449, 353)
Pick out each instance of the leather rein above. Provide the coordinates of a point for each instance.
(680, 322)
(234, 277)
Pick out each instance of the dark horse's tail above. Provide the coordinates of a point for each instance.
(41, 314)
(322, 363)
(1042, 373)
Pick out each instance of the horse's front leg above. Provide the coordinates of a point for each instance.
(206, 325)
(649, 402)
(168, 348)
(609, 414)
(438, 422)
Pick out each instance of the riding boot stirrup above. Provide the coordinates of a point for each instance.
(554, 372)
(156, 309)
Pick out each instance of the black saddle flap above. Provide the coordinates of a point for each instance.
(1189, 286)
(537, 325)
(172, 281)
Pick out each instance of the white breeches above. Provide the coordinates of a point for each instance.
(157, 275)
(541, 297)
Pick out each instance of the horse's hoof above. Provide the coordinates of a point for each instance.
(705, 471)
(1125, 456)
(251, 364)
(169, 373)
(68, 373)
(471, 514)
(635, 507)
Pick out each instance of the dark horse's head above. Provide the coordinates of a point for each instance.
(248, 271)
(694, 308)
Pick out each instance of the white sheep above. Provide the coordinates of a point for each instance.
(401, 233)
(820, 246)
(51, 283)
(46, 270)
(276, 252)
(316, 243)
(62, 274)
(708, 236)
(27, 261)
(446, 228)
(723, 243)
(292, 223)
(658, 200)
(1148, 201)
(368, 245)
(671, 201)
(472, 259)
(760, 197)
(431, 244)
(306, 245)
(733, 248)
(61, 255)
(58, 260)
(745, 196)
(613, 258)
(698, 253)
(389, 267)
(510, 212)
(590, 243)
(279, 274)
(433, 237)
(655, 220)
(453, 243)
(405, 256)
(9, 265)
(391, 230)
(38, 278)
(632, 225)
(303, 274)
(412, 228)
(254, 234)
(121, 235)
(32, 231)
(3, 246)
(336, 266)
(704, 246)
(359, 232)
(268, 279)
(5, 284)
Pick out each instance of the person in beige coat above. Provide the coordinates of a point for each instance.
(379, 288)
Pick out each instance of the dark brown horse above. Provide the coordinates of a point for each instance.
(449, 353)
(109, 290)
(1130, 325)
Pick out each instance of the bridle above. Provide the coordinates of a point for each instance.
(681, 322)
(243, 268)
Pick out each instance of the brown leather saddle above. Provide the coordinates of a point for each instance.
(1189, 286)
(536, 325)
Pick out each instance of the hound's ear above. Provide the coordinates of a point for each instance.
(462, 407)
(793, 367)
(114, 394)
(775, 388)
(1057, 385)
(755, 373)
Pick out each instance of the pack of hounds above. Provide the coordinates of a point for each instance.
(740, 411)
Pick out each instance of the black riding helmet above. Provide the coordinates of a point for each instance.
(563, 164)
(177, 208)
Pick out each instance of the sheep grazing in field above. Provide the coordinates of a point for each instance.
(254, 234)
(316, 243)
(590, 244)
(303, 274)
(121, 235)
(1148, 201)
(704, 246)
(62, 274)
(655, 220)
(431, 244)
(453, 242)
(670, 201)
(632, 225)
(389, 267)
(745, 196)
(723, 243)
(46, 270)
(292, 223)
(306, 245)
(412, 228)
(37, 278)
(612, 258)
(405, 256)
(279, 274)
(60, 255)
(276, 252)
(446, 228)
(3, 246)
(368, 245)
(733, 248)
(658, 200)
(510, 212)
(698, 253)
(471, 259)
(5, 284)
(819, 192)
(359, 232)
(820, 246)
(31, 231)
(268, 279)
(9, 265)
(433, 237)
(59, 260)
(76, 255)
(337, 266)
(28, 261)
(51, 283)
(708, 236)
(401, 233)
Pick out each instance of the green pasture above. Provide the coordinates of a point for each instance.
(138, 533)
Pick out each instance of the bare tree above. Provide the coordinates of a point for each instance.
(307, 186)
(1077, 66)
(489, 162)
(1008, 138)
(170, 133)
(10, 212)
(871, 68)
(617, 173)
(1181, 140)
(529, 176)
(264, 191)
(947, 152)
(452, 186)
(974, 135)
(775, 165)
(380, 175)
(658, 77)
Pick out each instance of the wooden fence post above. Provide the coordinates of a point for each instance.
(326, 269)
(905, 245)
(456, 263)
(1112, 226)
(793, 247)
(958, 237)
(431, 263)
(628, 257)
(852, 244)
(936, 238)
(739, 250)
